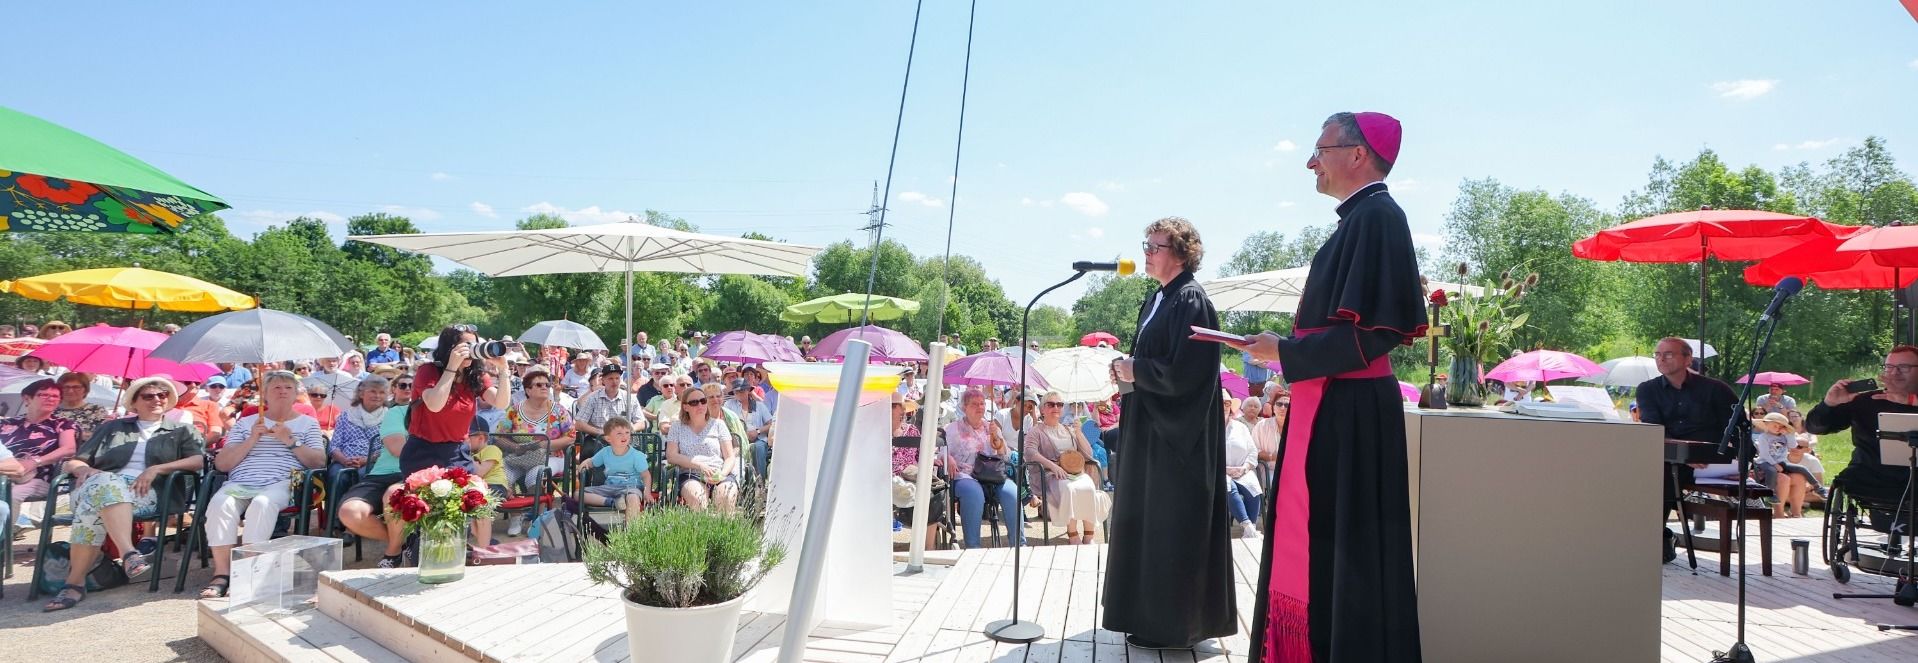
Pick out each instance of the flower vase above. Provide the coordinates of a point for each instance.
(1465, 387)
(442, 554)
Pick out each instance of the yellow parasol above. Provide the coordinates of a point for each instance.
(130, 288)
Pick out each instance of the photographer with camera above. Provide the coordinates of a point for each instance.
(448, 391)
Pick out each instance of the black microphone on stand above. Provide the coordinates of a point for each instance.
(1738, 439)
(1124, 267)
(1787, 287)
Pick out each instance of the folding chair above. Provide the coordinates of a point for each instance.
(531, 504)
(173, 483)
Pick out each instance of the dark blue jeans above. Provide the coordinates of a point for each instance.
(1242, 503)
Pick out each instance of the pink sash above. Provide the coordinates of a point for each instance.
(1288, 633)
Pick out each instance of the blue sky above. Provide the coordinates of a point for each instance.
(1086, 120)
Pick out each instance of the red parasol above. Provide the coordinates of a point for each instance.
(1702, 235)
(1820, 261)
(1093, 339)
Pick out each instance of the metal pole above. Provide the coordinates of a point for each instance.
(928, 434)
(825, 497)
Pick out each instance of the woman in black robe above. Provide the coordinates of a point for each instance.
(1169, 566)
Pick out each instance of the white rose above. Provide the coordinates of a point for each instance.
(441, 487)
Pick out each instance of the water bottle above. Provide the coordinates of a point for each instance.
(1801, 556)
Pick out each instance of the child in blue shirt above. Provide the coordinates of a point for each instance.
(629, 484)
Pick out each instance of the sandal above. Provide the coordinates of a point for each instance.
(135, 565)
(69, 596)
(216, 588)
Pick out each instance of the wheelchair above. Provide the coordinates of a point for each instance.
(1869, 534)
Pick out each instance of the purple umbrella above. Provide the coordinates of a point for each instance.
(1543, 366)
(887, 344)
(1234, 384)
(995, 369)
(749, 348)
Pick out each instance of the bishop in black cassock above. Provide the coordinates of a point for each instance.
(1169, 567)
(1336, 578)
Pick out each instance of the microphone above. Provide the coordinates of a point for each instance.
(1125, 267)
(1787, 287)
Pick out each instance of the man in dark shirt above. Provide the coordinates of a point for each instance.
(1690, 407)
(1841, 409)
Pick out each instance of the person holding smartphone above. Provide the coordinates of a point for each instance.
(1856, 404)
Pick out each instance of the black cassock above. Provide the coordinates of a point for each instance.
(1169, 567)
(1335, 582)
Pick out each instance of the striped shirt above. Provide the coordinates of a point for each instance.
(269, 461)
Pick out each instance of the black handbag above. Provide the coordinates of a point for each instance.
(987, 468)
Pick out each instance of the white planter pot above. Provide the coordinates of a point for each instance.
(689, 635)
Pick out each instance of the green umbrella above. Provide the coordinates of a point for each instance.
(52, 179)
(847, 308)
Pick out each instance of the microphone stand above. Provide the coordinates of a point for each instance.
(1738, 435)
(1015, 630)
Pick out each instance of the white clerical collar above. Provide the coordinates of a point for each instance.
(1348, 197)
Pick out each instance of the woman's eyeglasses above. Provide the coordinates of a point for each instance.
(155, 396)
(1151, 248)
(403, 385)
(1055, 404)
(695, 402)
(538, 385)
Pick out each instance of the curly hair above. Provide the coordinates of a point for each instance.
(1184, 240)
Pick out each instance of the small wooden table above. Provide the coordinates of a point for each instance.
(1723, 512)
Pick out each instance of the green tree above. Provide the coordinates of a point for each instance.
(1267, 251)
(1495, 229)
(744, 302)
(1052, 326)
(1111, 304)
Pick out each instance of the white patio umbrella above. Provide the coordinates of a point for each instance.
(1278, 291)
(1080, 374)
(563, 333)
(610, 247)
(1624, 372)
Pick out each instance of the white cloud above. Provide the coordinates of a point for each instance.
(414, 213)
(483, 209)
(1744, 90)
(441, 177)
(582, 216)
(923, 199)
(1427, 239)
(267, 217)
(1085, 203)
(1914, 64)
(1096, 232)
(1285, 146)
(1807, 145)
(1027, 201)
(1286, 203)
(1110, 185)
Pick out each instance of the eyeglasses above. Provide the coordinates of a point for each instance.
(1284, 404)
(1055, 404)
(1318, 151)
(1900, 369)
(1669, 354)
(538, 385)
(696, 401)
(75, 387)
(403, 385)
(466, 328)
(216, 386)
(1151, 248)
(316, 394)
(155, 396)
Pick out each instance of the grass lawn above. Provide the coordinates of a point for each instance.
(1834, 451)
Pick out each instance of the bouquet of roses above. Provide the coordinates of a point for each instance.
(439, 497)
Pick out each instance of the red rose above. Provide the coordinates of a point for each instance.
(473, 499)
(458, 476)
(1438, 297)
(413, 508)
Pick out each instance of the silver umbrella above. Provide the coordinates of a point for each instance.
(254, 336)
(563, 333)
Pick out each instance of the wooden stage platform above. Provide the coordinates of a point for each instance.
(552, 613)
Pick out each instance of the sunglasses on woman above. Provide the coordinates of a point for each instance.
(1055, 404)
(538, 385)
(696, 401)
(153, 396)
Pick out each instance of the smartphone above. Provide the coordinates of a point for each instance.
(1862, 386)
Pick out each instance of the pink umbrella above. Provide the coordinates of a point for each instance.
(1234, 384)
(1409, 391)
(1543, 366)
(996, 369)
(749, 348)
(119, 352)
(887, 344)
(1769, 378)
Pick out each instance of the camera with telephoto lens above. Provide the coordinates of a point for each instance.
(485, 349)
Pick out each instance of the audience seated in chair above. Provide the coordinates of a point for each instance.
(115, 473)
(968, 438)
(1074, 499)
(263, 453)
(362, 504)
(38, 440)
(703, 449)
(629, 477)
